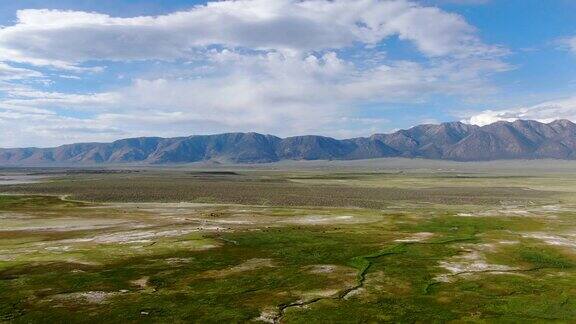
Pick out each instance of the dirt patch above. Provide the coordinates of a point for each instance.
(568, 240)
(21, 179)
(472, 261)
(62, 224)
(355, 292)
(322, 219)
(323, 268)
(417, 237)
(90, 297)
(333, 271)
(143, 236)
(267, 315)
(548, 211)
(141, 283)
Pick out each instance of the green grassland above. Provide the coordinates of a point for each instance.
(289, 246)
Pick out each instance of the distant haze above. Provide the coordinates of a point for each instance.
(521, 139)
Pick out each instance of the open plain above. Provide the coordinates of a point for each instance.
(401, 242)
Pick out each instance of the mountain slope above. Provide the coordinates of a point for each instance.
(522, 139)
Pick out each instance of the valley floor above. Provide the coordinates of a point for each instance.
(291, 246)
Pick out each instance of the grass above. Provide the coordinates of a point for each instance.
(545, 258)
(343, 249)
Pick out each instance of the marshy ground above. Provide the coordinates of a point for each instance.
(294, 246)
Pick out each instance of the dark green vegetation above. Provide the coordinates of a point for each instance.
(290, 246)
(273, 189)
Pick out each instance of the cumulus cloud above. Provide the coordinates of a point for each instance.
(65, 38)
(272, 66)
(284, 94)
(543, 112)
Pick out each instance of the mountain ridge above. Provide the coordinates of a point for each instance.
(457, 141)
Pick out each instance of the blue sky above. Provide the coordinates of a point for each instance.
(75, 71)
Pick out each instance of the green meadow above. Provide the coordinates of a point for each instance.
(288, 246)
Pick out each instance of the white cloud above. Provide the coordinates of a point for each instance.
(34, 98)
(283, 94)
(271, 66)
(23, 129)
(8, 72)
(459, 2)
(543, 112)
(571, 43)
(66, 38)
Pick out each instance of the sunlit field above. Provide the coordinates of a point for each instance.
(288, 245)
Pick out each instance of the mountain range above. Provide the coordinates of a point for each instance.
(521, 139)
